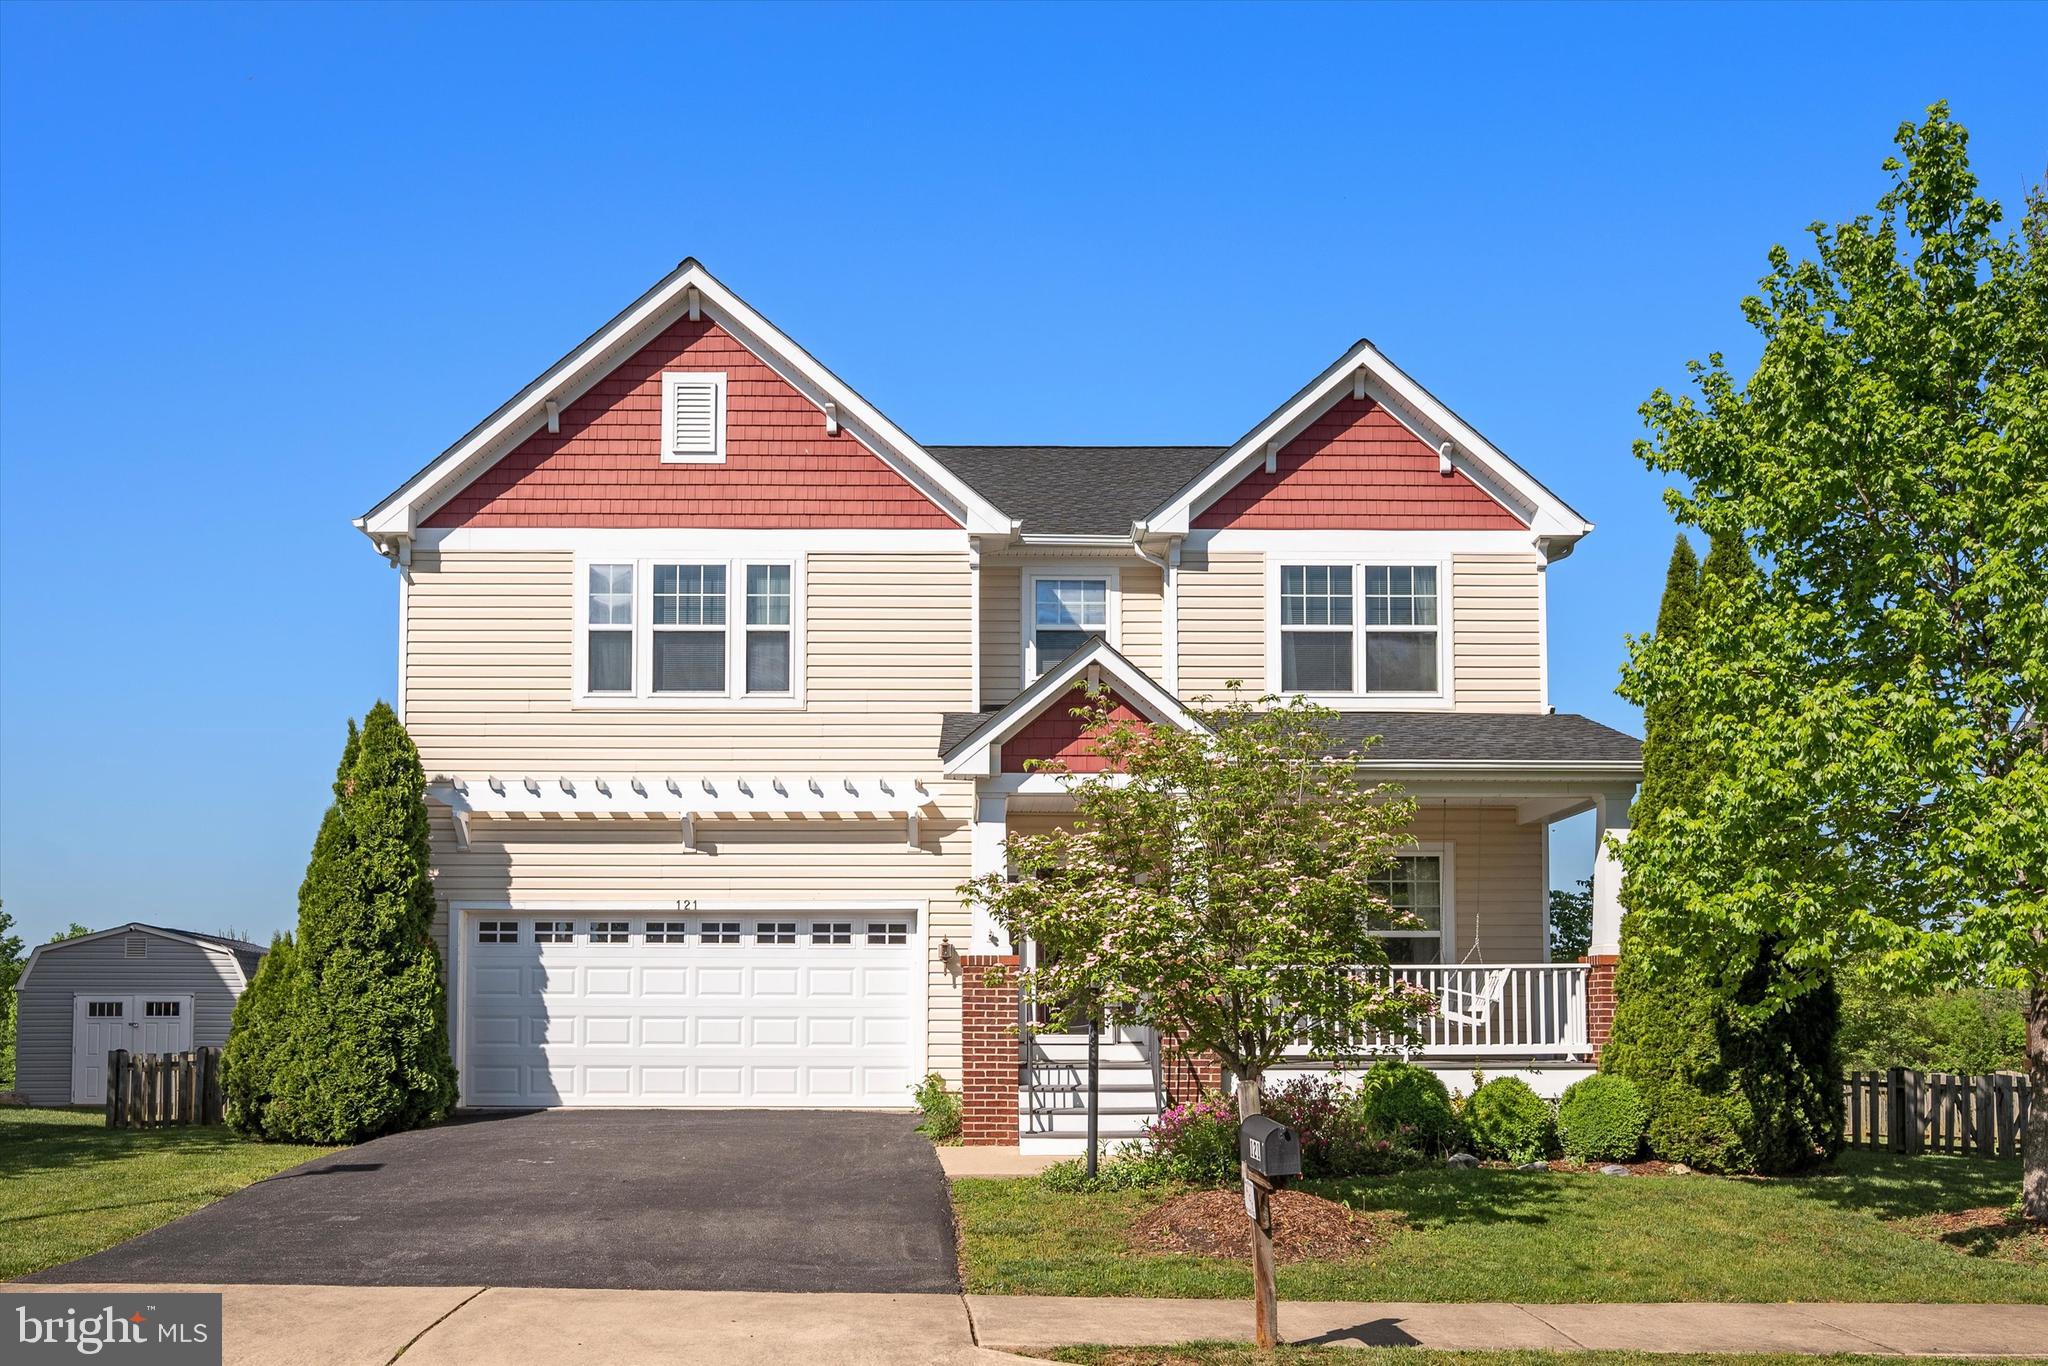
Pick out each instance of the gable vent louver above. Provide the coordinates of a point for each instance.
(694, 419)
(135, 946)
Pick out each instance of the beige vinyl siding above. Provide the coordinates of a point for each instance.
(490, 640)
(1002, 638)
(1497, 633)
(1497, 871)
(1222, 621)
(1140, 588)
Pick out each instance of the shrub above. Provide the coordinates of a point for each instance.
(1128, 1172)
(260, 1033)
(1311, 1107)
(1397, 1100)
(1733, 1080)
(1508, 1120)
(1601, 1119)
(1195, 1142)
(941, 1108)
(360, 1046)
(1975, 1030)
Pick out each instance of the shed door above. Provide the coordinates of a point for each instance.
(150, 1023)
(781, 1006)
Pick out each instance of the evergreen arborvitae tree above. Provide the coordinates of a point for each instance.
(259, 1037)
(1735, 1078)
(363, 1048)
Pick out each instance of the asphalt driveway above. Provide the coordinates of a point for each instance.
(636, 1200)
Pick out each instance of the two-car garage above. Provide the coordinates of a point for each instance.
(690, 1007)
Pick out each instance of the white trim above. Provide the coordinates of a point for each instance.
(1445, 695)
(1008, 785)
(671, 382)
(692, 288)
(624, 541)
(1415, 407)
(1027, 613)
(34, 954)
(404, 626)
(974, 622)
(1428, 544)
(1543, 633)
(460, 912)
(643, 697)
(975, 755)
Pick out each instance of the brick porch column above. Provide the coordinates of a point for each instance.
(1599, 999)
(990, 1049)
(1188, 1076)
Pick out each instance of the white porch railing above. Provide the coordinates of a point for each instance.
(1522, 1010)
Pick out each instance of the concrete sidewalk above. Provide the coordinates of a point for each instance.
(1022, 1322)
(299, 1325)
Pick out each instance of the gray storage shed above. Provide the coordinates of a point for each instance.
(140, 987)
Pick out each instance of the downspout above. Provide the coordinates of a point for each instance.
(1169, 609)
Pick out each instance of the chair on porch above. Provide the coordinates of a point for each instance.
(1472, 1006)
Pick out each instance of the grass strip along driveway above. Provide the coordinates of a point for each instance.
(70, 1186)
(1859, 1233)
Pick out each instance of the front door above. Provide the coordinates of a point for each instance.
(140, 1024)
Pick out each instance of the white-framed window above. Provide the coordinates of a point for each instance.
(554, 932)
(1062, 608)
(497, 932)
(1354, 629)
(1419, 885)
(693, 418)
(721, 931)
(668, 931)
(683, 630)
(688, 641)
(885, 932)
(832, 932)
(104, 1010)
(163, 1010)
(775, 932)
(609, 932)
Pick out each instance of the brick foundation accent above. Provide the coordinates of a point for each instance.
(1599, 999)
(989, 1049)
(1188, 1076)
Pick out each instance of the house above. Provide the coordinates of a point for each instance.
(140, 987)
(724, 684)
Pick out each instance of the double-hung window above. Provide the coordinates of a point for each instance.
(1413, 885)
(1360, 629)
(1063, 610)
(689, 628)
(678, 630)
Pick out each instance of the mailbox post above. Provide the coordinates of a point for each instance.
(1269, 1154)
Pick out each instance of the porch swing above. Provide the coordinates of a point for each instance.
(1472, 1007)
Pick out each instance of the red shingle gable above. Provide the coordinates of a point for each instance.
(1357, 468)
(603, 469)
(1056, 733)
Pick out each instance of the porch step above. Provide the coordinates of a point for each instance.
(1074, 1123)
(1066, 1049)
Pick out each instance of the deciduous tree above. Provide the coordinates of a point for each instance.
(1873, 697)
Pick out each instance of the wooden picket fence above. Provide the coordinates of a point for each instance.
(155, 1090)
(1903, 1111)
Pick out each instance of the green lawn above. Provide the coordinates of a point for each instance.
(1238, 1354)
(70, 1186)
(1550, 1238)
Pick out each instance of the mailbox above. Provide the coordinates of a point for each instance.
(1269, 1148)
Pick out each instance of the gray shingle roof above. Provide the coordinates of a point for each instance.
(1077, 490)
(1443, 737)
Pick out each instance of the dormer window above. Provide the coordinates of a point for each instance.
(693, 418)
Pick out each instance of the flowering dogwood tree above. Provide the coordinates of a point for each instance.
(1217, 885)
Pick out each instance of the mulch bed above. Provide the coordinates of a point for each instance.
(1992, 1231)
(1213, 1224)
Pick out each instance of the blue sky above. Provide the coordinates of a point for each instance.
(258, 264)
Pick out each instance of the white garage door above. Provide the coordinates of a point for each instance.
(778, 1007)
